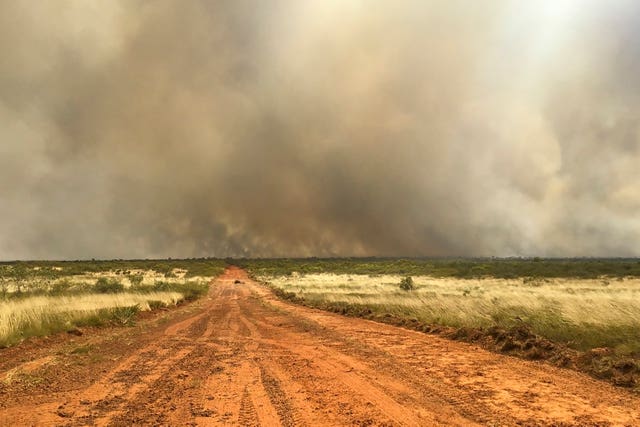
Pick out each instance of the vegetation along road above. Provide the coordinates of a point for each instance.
(243, 357)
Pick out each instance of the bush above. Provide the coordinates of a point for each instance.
(155, 305)
(125, 315)
(107, 286)
(289, 296)
(60, 288)
(135, 279)
(406, 284)
(193, 290)
(190, 290)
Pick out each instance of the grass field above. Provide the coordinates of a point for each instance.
(43, 315)
(584, 303)
(582, 313)
(39, 298)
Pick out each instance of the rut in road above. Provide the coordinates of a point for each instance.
(246, 358)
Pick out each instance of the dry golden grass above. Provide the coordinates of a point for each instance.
(37, 298)
(144, 278)
(584, 313)
(40, 315)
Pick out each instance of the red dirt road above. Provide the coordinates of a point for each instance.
(241, 357)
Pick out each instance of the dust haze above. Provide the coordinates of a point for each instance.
(319, 128)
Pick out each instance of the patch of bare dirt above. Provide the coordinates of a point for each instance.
(243, 357)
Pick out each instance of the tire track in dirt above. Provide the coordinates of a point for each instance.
(108, 398)
(377, 394)
(262, 397)
(243, 357)
(382, 390)
(278, 398)
(248, 414)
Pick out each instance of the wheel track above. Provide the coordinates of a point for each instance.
(248, 415)
(278, 398)
(132, 378)
(128, 379)
(369, 391)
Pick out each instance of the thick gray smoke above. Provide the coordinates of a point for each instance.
(322, 127)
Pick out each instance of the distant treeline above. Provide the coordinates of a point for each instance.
(438, 267)
(59, 269)
(450, 267)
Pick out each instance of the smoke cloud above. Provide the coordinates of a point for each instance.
(319, 128)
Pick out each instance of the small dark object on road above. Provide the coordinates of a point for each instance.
(237, 282)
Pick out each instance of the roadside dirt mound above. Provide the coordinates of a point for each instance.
(243, 357)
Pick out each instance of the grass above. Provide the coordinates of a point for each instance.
(581, 313)
(12, 287)
(29, 270)
(42, 315)
(42, 297)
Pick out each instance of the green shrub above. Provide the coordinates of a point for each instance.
(406, 284)
(125, 315)
(108, 286)
(60, 288)
(164, 286)
(135, 279)
(190, 290)
(155, 305)
(193, 290)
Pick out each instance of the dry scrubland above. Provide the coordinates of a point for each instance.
(42, 298)
(583, 313)
(241, 357)
(45, 314)
(588, 306)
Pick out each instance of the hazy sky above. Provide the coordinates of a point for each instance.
(320, 127)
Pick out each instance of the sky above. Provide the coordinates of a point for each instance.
(171, 128)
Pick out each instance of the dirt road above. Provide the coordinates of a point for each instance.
(241, 357)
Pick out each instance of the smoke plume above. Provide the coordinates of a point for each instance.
(175, 128)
